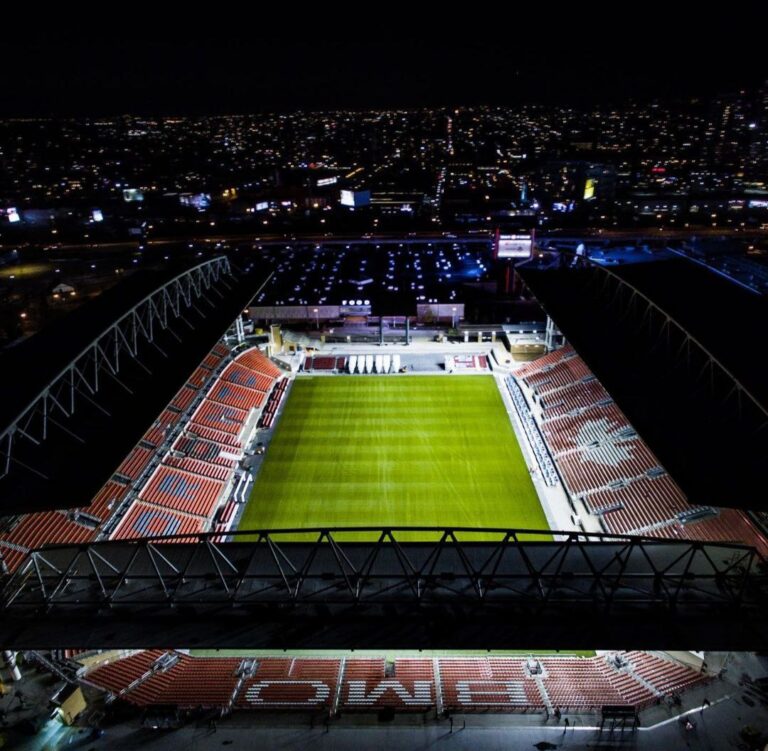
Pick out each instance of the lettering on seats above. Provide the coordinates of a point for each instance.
(422, 693)
(318, 691)
(490, 692)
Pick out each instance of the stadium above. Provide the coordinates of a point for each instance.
(209, 517)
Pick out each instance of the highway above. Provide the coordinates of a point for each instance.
(634, 235)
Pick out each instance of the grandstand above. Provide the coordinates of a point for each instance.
(524, 684)
(605, 465)
(180, 474)
(669, 338)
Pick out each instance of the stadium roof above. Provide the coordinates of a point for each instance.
(31, 365)
(678, 347)
(263, 590)
(79, 452)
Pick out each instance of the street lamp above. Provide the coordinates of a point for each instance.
(317, 318)
(453, 317)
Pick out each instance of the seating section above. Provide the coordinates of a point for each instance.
(273, 404)
(117, 676)
(323, 363)
(369, 684)
(565, 373)
(216, 356)
(544, 362)
(106, 501)
(195, 474)
(147, 520)
(199, 467)
(199, 377)
(247, 378)
(500, 684)
(598, 422)
(181, 490)
(161, 428)
(224, 439)
(461, 684)
(574, 684)
(219, 417)
(192, 480)
(319, 363)
(664, 675)
(207, 450)
(633, 692)
(568, 415)
(46, 528)
(291, 683)
(192, 682)
(728, 525)
(211, 361)
(254, 360)
(643, 501)
(572, 398)
(184, 398)
(135, 463)
(232, 395)
(605, 463)
(469, 362)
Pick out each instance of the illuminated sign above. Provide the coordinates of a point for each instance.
(323, 181)
(262, 206)
(97, 215)
(13, 215)
(199, 201)
(514, 246)
(131, 195)
(355, 198)
(758, 203)
(589, 189)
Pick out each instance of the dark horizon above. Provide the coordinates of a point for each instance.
(66, 74)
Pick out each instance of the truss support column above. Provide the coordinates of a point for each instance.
(9, 448)
(239, 330)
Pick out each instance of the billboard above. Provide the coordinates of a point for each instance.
(324, 181)
(13, 215)
(589, 189)
(262, 206)
(97, 215)
(132, 195)
(199, 201)
(514, 246)
(355, 198)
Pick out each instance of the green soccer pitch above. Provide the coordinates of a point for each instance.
(368, 451)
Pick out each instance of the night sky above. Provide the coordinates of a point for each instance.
(115, 67)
